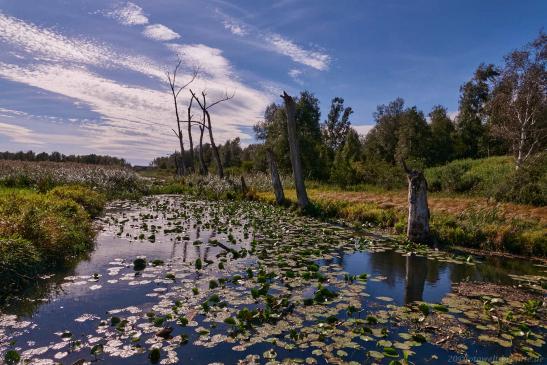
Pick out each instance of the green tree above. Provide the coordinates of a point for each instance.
(442, 136)
(344, 169)
(273, 131)
(472, 117)
(518, 104)
(381, 141)
(337, 125)
(414, 137)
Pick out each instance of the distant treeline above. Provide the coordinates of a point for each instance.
(59, 157)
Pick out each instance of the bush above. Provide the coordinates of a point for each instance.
(528, 185)
(480, 177)
(57, 228)
(19, 262)
(92, 201)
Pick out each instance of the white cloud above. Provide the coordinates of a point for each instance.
(45, 45)
(315, 59)
(160, 32)
(295, 75)
(18, 134)
(135, 121)
(210, 60)
(362, 129)
(234, 27)
(129, 14)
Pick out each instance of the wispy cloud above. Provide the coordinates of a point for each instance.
(235, 27)
(295, 75)
(210, 61)
(315, 59)
(275, 42)
(160, 32)
(129, 14)
(133, 117)
(18, 134)
(46, 45)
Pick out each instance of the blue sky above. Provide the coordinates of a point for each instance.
(88, 76)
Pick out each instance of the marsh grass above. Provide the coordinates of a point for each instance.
(113, 181)
(39, 231)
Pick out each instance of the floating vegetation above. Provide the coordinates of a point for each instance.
(252, 282)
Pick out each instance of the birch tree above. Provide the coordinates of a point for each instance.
(518, 105)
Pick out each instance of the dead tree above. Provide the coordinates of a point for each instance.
(290, 108)
(203, 166)
(418, 210)
(190, 139)
(276, 181)
(175, 91)
(207, 123)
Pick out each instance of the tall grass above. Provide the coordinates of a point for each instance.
(39, 231)
(113, 181)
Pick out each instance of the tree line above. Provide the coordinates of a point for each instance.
(502, 110)
(59, 157)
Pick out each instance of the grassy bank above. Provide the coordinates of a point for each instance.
(46, 212)
(456, 219)
(39, 231)
(474, 223)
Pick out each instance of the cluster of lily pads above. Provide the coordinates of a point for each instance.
(265, 284)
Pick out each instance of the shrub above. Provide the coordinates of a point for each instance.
(19, 262)
(92, 201)
(57, 228)
(481, 176)
(526, 186)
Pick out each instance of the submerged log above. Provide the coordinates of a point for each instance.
(276, 181)
(418, 210)
(290, 108)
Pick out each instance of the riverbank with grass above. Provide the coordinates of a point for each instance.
(47, 211)
(456, 219)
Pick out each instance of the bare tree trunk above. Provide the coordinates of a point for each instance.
(290, 108)
(190, 140)
(216, 154)
(175, 91)
(203, 167)
(276, 181)
(418, 210)
(182, 164)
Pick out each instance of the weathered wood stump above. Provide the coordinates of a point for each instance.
(418, 210)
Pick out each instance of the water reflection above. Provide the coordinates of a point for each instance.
(416, 273)
(419, 278)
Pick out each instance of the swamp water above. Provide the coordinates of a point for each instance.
(222, 282)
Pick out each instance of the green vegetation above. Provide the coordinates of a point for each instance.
(493, 177)
(92, 201)
(112, 181)
(485, 228)
(39, 231)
